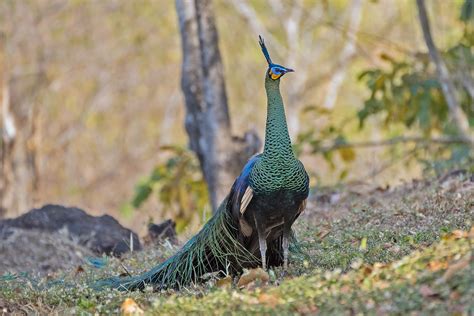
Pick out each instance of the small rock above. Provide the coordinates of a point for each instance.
(160, 232)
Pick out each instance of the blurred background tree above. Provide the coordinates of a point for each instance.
(221, 155)
(22, 79)
(93, 94)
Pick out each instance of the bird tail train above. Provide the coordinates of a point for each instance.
(214, 249)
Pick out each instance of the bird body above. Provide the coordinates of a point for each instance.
(252, 226)
(278, 184)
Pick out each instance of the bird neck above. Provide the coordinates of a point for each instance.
(277, 139)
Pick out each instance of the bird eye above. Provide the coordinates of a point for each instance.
(276, 70)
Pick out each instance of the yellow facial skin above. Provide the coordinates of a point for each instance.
(274, 76)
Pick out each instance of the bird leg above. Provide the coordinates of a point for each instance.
(262, 242)
(285, 244)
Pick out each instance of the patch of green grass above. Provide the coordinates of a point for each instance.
(367, 254)
(405, 286)
(384, 227)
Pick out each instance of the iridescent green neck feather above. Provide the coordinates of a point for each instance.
(278, 169)
(277, 139)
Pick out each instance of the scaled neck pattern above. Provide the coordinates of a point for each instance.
(277, 140)
(278, 169)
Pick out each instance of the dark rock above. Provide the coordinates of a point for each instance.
(102, 234)
(162, 231)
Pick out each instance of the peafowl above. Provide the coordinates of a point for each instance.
(252, 226)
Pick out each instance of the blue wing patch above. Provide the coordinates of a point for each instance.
(241, 184)
(242, 181)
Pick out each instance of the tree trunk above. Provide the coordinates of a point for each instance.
(449, 91)
(18, 126)
(8, 130)
(208, 125)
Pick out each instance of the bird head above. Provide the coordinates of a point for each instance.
(275, 72)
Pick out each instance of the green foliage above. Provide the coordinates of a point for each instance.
(179, 186)
(456, 156)
(407, 94)
(467, 11)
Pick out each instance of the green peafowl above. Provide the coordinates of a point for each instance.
(252, 226)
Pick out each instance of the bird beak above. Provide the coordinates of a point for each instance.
(289, 70)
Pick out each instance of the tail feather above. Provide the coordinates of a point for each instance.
(215, 248)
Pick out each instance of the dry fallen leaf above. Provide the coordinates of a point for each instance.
(245, 298)
(455, 268)
(323, 233)
(357, 263)
(306, 309)
(427, 291)
(381, 285)
(130, 308)
(225, 282)
(252, 275)
(367, 270)
(269, 300)
(79, 270)
(454, 295)
(437, 265)
(458, 234)
(379, 266)
(345, 289)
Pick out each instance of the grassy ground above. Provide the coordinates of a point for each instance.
(398, 251)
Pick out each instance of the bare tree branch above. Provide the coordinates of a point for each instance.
(292, 28)
(314, 17)
(395, 141)
(467, 82)
(347, 52)
(447, 85)
(251, 17)
(277, 7)
(392, 162)
(293, 36)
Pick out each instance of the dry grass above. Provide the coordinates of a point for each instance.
(370, 251)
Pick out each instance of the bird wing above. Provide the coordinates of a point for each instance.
(246, 198)
(241, 195)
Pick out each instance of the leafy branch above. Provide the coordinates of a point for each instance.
(178, 185)
(393, 141)
(444, 77)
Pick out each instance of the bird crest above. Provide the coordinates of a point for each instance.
(264, 50)
(275, 71)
